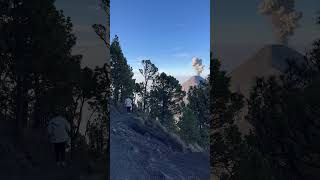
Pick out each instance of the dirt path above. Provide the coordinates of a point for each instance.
(138, 157)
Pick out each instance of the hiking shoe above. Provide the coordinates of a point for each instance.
(63, 164)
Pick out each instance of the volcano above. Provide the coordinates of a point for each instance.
(271, 60)
(191, 82)
(268, 61)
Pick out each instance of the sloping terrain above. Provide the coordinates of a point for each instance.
(33, 159)
(150, 154)
(192, 81)
(268, 61)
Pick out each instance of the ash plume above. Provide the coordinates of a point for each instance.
(284, 17)
(197, 65)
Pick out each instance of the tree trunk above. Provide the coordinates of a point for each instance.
(19, 106)
(36, 109)
(80, 117)
(144, 97)
(116, 96)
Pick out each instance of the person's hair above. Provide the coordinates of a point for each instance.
(58, 111)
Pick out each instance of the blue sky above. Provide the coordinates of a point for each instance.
(171, 32)
(83, 15)
(239, 30)
(168, 32)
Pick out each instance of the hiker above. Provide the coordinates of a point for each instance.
(59, 130)
(128, 104)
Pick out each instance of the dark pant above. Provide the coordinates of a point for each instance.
(60, 150)
(128, 109)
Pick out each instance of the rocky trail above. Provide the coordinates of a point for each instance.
(143, 156)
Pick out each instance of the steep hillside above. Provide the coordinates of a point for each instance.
(145, 151)
(32, 158)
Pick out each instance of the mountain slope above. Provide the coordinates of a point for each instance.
(271, 60)
(145, 154)
(32, 158)
(192, 81)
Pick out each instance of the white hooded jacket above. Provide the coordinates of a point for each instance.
(58, 130)
(128, 102)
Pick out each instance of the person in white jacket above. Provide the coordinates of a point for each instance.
(59, 130)
(128, 104)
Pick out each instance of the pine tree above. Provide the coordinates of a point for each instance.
(149, 72)
(102, 99)
(189, 130)
(284, 114)
(121, 73)
(225, 138)
(36, 49)
(198, 102)
(166, 98)
(285, 119)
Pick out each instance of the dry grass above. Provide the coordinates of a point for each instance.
(156, 130)
(195, 148)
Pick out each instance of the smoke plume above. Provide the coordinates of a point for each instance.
(284, 17)
(197, 65)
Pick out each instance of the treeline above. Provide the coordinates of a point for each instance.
(159, 97)
(283, 142)
(40, 75)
